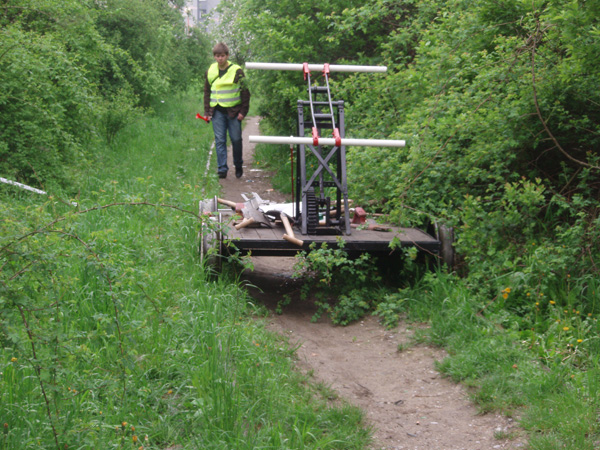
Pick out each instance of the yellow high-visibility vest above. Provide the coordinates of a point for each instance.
(223, 90)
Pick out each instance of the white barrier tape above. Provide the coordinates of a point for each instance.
(326, 141)
(315, 67)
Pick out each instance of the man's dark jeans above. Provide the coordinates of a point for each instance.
(222, 124)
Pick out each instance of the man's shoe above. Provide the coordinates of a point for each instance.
(222, 174)
(239, 172)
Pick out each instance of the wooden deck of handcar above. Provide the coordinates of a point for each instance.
(266, 241)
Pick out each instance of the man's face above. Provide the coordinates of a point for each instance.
(221, 59)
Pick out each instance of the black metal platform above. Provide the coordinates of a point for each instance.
(265, 241)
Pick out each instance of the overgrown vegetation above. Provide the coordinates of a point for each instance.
(108, 336)
(113, 335)
(75, 72)
(500, 110)
(345, 288)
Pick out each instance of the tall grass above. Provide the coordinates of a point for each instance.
(113, 335)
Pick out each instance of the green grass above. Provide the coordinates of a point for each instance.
(113, 335)
(554, 391)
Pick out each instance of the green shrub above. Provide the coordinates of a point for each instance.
(346, 288)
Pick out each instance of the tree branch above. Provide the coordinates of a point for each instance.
(38, 372)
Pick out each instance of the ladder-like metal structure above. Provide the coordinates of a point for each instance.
(321, 162)
(330, 172)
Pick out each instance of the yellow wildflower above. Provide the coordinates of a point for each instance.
(565, 328)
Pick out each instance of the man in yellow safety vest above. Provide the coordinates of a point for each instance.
(226, 103)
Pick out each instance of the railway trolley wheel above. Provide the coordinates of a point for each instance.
(211, 237)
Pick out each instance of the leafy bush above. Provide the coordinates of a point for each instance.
(72, 72)
(346, 288)
(118, 112)
(48, 107)
(391, 308)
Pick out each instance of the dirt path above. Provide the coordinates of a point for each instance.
(254, 179)
(406, 401)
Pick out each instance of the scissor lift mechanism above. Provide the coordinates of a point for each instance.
(330, 153)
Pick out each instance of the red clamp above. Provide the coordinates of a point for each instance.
(337, 137)
(315, 136)
(326, 69)
(360, 216)
(305, 70)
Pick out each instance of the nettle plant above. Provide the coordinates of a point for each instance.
(345, 288)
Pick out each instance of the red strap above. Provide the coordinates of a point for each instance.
(337, 137)
(315, 135)
(305, 70)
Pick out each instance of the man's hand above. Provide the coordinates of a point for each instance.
(240, 117)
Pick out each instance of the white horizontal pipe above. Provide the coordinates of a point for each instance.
(27, 188)
(325, 141)
(22, 186)
(315, 67)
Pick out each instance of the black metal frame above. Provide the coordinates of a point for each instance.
(323, 176)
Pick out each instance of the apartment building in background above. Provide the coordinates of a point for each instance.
(196, 13)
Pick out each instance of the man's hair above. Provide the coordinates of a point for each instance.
(220, 48)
